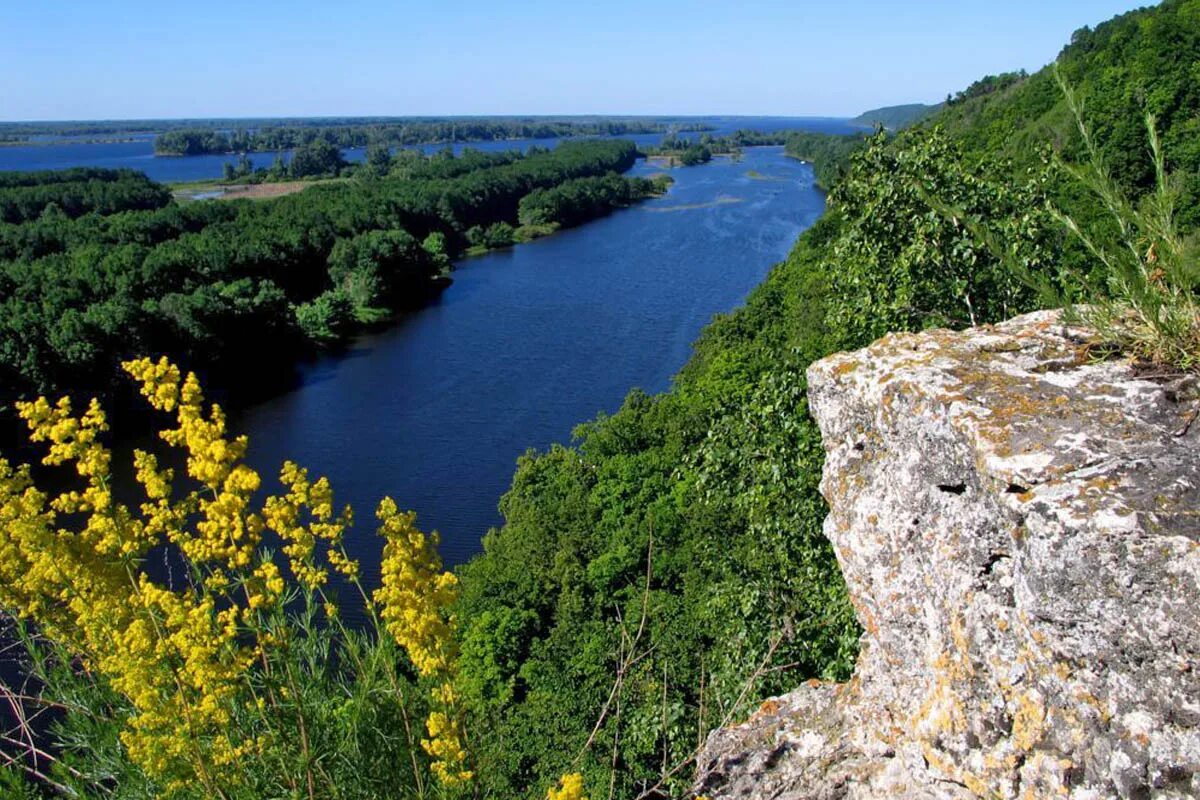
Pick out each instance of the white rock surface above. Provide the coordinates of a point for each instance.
(1019, 530)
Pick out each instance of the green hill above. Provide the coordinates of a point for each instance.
(895, 117)
(1146, 60)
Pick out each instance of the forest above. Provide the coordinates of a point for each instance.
(97, 266)
(656, 578)
(200, 141)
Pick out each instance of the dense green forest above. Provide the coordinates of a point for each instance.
(674, 551)
(97, 266)
(199, 141)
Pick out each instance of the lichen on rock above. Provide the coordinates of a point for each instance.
(1019, 529)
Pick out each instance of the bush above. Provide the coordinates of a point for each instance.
(328, 318)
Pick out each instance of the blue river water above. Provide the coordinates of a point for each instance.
(527, 343)
(138, 152)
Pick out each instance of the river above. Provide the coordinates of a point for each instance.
(527, 343)
(138, 152)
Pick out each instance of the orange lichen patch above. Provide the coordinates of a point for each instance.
(1085, 697)
(844, 368)
(1102, 484)
(1029, 721)
(973, 783)
(768, 708)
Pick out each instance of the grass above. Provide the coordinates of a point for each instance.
(1146, 301)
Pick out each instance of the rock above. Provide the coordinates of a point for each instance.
(1019, 530)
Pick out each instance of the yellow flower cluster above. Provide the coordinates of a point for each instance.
(571, 788)
(72, 564)
(282, 515)
(413, 599)
(173, 654)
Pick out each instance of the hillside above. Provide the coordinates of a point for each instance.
(715, 482)
(1143, 61)
(895, 117)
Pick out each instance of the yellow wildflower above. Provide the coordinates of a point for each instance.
(571, 788)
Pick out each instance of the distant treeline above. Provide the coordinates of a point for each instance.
(97, 266)
(19, 131)
(828, 153)
(987, 85)
(200, 141)
(895, 118)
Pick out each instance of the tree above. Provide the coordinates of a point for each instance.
(316, 158)
(379, 159)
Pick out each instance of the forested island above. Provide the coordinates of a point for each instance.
(688, 152)
(200, 141)
(654, 580)
(98, 265)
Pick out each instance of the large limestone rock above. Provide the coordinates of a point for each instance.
(1019, 529)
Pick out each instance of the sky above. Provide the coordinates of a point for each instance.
(129, 59)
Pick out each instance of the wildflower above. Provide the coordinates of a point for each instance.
(72, 563)
(570, 788)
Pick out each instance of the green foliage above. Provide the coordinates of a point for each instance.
(987, 85)
(375, 267)
(1147, 301)
(828, 153)
(915, 252)
(687, 152)
(316, 158)
(330, 315)
(574, 202)
(102, 267)
(695, 154)
(378, 160)
(27, 196)
(497, 235)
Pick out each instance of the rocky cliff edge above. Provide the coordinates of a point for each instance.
(1019, 529)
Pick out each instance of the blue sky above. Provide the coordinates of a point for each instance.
(85, 59)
